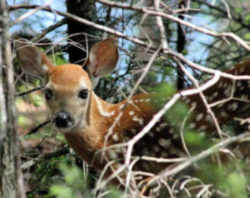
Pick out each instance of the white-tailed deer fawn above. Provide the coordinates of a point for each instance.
(85, 119)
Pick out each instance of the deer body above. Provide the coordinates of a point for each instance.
(90, 124)
(223, 89)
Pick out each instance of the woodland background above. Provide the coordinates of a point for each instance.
(35, 162)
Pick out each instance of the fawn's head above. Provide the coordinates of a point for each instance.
(68, 91)
(68, 94)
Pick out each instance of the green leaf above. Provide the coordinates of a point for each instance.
(247, 36)
(177, 114)
(61, 191)
(238, 10)
(37, 100)
(115, 194)
(193, 138)
(236, 185)
(22, 120)
(161, 94)
(247, 19)
(195, 5)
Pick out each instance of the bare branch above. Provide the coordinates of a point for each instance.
(209, 110)
(160, 24)
(28, 14)
(198, 157)
(176, 19)
(49, 29)
(144, 10)
(29, 91)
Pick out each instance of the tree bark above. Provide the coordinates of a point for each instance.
(77, 31)
(10, 174)
(181, 41)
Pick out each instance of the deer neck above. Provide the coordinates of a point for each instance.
(97, 118)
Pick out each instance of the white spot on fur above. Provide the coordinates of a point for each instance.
(224, 114)
(151, 134)
(239, 83)
(163, 125)
(227, 92)
(130, 102)
(113, 155)
(220, 85)
(192, 125)
(171, 131)
(156, 148)
(131, 113)
(203, 127)
(194, 104)
(244, 97)
(225, 85)
(199, 117)
(164, 142)
(234, 106)
(215, 94)
(133, 130)
(115, 137)
(139, 120)
(175, 136)
(187, 100)
(122, 106)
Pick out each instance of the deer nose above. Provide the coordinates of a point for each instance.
(63, 119)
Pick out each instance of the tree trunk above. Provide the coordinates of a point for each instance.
(10, 177)
(77, 31)
(181, 41)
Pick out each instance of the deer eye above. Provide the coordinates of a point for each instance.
(83, 94)
(48, 94)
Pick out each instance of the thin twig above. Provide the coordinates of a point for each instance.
(176, 19)
(34, 130)
(29, 91)
(143, 10)
(166, 107)
(46, 156)
(49, 29)
(161, 26)
(200, 156)
(209, 110)
(28, 14)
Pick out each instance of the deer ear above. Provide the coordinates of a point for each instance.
(33, 61)
(102, 58)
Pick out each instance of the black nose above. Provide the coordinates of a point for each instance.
(63, 119)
